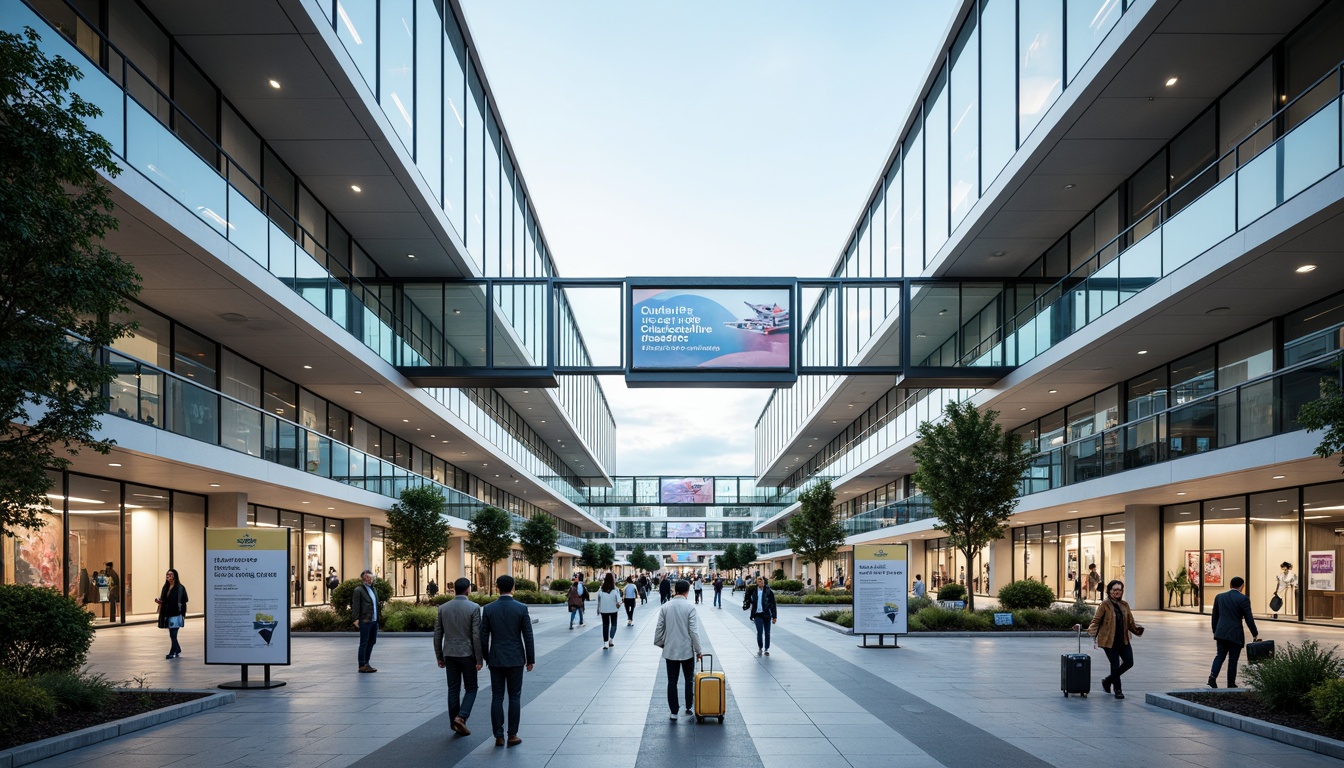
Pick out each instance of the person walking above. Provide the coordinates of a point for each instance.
(1285, 582)
(578, 595)
(506, 641)
(760, 600)
(608, 606)
(457, 646)
(172, 602)
(1094, 582)
(678, 634)
(920, 587)
(643, 589)
(1230, 609)
(631, 593)
(333, 581)
(740, 584)
(718, 591)
(699, 588)
(665, 590)
(364, 608)
(1111, 626)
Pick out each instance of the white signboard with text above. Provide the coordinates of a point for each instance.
(1321, 570)
(247, 596)
(880, 589)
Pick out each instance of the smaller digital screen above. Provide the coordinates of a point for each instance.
(686, 530)
(687, 490)
(685, 557)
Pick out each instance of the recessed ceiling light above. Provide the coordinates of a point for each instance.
(1305, 268)
(307, 367)
(1171, 81)
(1143, 351)
(405, 421)
(1278, 477)
(921, 335)
(1023, 408)
(1054, 391)
(1073, 511)
(355, 188)
(457, 311)
(1070, 186)
(112, 464)
(214, 485)
(1180, 493)
(274, 84)
(445, 441)
(330, 507)
(999, 253)
(359, 391)
(305, 502)
(410, 255)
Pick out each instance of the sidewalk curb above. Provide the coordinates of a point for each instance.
(1291, 736)
(911, 635)
(41, 750)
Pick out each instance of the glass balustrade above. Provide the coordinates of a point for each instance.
(164, 400)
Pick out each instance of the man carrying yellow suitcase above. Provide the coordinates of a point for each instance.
(678, 635)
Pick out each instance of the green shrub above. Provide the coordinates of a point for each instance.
(916, 604)
(438, 600)
(76, 691)
(1081, 611)
(524, 585)
(785, 585)
(1327, 703)
(915, 623)
(21, 700)
(825, 599)
(340, 596)
(411, 618)
(778, 574)
(787, 599)
(951, 591)
(1283, 681)
(480, 598)
(322, 619)
(937, 618)
(533, 597)
(1036, 618)
(42, 630)
(561, 585)
(843, 618)
(1025, 593)
(596, 584)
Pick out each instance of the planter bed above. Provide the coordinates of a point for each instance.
(1246, 704)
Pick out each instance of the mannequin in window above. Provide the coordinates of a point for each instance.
(1285, 584)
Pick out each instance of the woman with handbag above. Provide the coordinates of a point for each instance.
(1285, 582)
(172, 602)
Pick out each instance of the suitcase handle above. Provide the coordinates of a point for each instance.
(704, 656)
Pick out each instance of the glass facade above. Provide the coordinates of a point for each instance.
(1075, 557)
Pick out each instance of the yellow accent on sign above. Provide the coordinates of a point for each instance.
(880, 551)
(246, 539)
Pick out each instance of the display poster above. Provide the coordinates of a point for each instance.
(732, 328)
(1213, 568)
(686, 490)
(880, 589)
(1321, 570)
(1192, 569)
(246, 595)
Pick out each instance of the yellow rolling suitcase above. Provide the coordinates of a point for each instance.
(711, 692)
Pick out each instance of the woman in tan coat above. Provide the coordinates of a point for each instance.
(1112, 626)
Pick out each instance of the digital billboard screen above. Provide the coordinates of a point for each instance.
(686, 490)
(686, 530)
(745, 329)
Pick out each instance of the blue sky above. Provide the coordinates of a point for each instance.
(700, 138)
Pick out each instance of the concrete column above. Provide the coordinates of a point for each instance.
(357, 547)
(1143, 568)
(1000, 562)
(227, 510)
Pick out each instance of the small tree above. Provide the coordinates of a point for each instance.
(1326, 413)
(538, 538)
(57, 277)
(638, 559)
(970, 468)
(588, 554)
(606, 557)
(729, 560)
(491, 532)
(416, 532)
(746, 554)
(814, 533)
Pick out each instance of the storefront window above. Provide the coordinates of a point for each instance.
(1323, 514)
(1180, 566)
(1224, 546)
(148, 537)
(1113, 547)
(95, 541)
(1274, 541)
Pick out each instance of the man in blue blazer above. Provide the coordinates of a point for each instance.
(1229, 609)
(506, 640)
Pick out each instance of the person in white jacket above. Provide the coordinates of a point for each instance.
(608, 605)
(678, 634)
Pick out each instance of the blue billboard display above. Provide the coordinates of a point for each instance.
(745, 329)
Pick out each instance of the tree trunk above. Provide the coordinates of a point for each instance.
(969, 554)
(417, 585)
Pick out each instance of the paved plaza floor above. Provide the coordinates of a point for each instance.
(818, 700)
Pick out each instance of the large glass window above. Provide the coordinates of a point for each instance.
(1181, 566)
(894, 220)
(935, 167)
(913, 165)
(490, 217)
(95, 542)
(1089, 21)
(148, 538)
(998, 116)
(357, 29)
(475, 168)
(964, 187)
(397, 69)
(454, 125)
(1320, 576)
(1040, 60)
(1224, 546)
(429, 94)
(1274, 543)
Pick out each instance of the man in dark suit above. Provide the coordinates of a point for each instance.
(506, 640)
(1229, 609)
(364, 609)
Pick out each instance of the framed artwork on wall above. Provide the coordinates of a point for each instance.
(1213, 567)
(1192, 566)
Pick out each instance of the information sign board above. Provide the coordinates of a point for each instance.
(880, 589)
(247, 595)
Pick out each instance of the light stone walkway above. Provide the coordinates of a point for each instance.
(818, 699)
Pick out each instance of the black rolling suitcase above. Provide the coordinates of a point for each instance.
(1075, 671)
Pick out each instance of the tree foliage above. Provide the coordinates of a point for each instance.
(1326, 413)
(58, 277)
(491, 532)
(639, 559)
(814, 532)
(970, 468)
(588, 554)
(606, 557)
(746, 554)
(417, 533)
(729, 559)
(538, 538)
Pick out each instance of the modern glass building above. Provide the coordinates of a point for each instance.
(1151, 193)
(292, 173)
